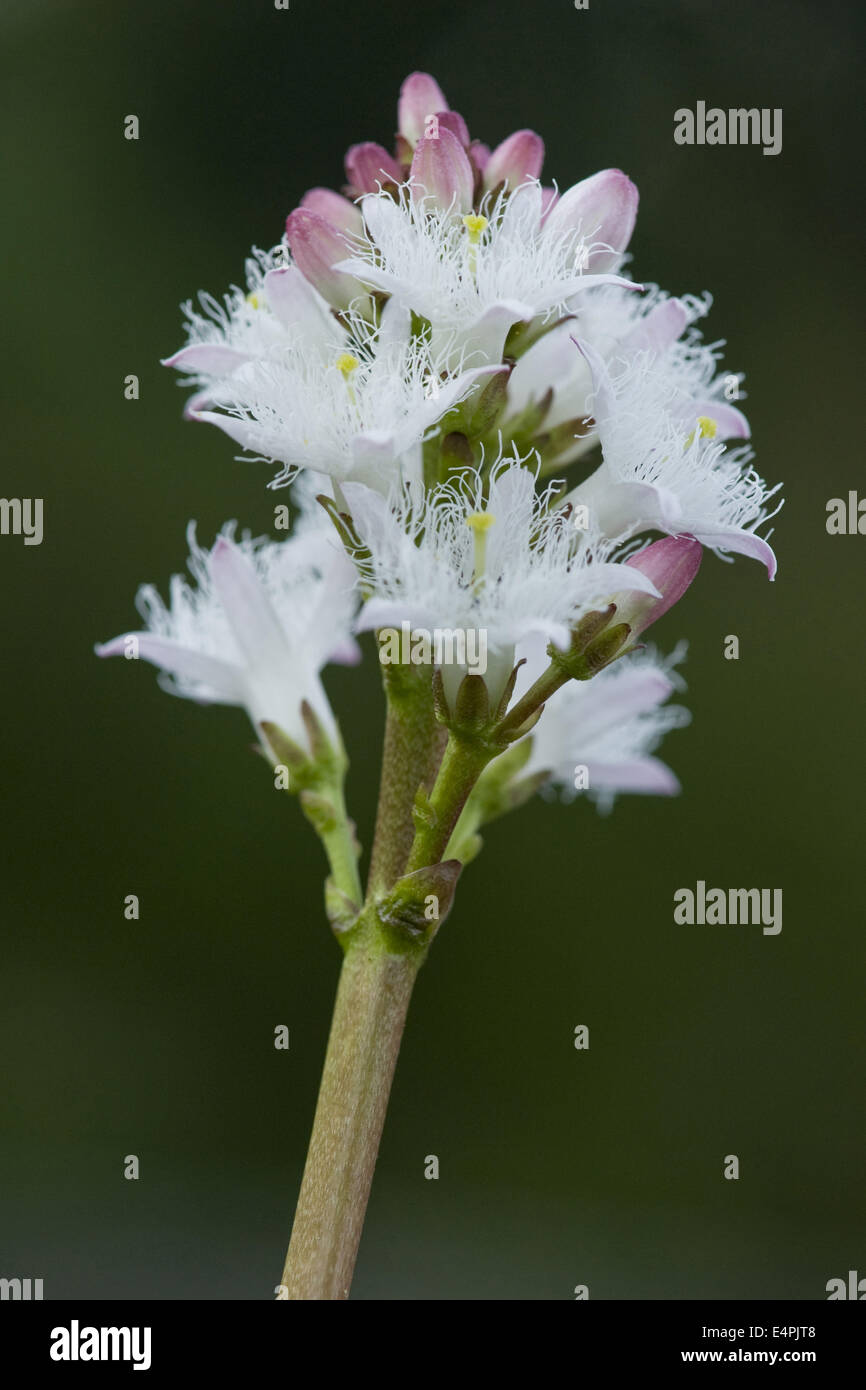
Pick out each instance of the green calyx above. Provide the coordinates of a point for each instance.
(595, 643)
(472, 718)
(462, 440)
(322, 766)
(524, 334)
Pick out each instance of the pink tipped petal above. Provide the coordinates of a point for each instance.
(660, 329)
(603, 208)
(648, 775)
(196, 404)
(224, 679)
(336, 209)
(593, 279)
(420, 97)
(740, 542)
(206, 359)
(453, 121)
(518, 158)
(369, 166)
(317, 246)
(441, 171)
(730, 422)
(254, 623)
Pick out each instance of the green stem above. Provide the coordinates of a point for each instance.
(412, 752)
(337, 834)
(369, 1015)
(382, 958)
(501, 787)
(318, 774)
(538, 694)
(462, 765)
(465, 839)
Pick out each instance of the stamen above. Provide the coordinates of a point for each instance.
(346, 364)
(479, 523)
(475, 225)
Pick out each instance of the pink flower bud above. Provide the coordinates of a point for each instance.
(453, 121)
(441, 171)
(369, 165)
(336, 209)
(420, 97)
(670, 564)
(317, 246)
(517, 159)
(603, 208)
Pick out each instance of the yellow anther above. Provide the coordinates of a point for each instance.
(475, 225)
(479, 524)
(346, 364)
(255, 300)
(707, 429)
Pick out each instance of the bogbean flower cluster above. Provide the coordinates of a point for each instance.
(496, 420)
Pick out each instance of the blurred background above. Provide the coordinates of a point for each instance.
(155, 1037)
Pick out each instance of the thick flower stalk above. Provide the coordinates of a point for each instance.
(506, 457)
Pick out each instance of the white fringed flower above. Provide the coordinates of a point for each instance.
(618, 326)
(473, 277)
(599, 735)
(283, 378)
(502, 565)
(661, 472)
(255, 629)
(277, 311)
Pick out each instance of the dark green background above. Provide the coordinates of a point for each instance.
(156, 1037)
